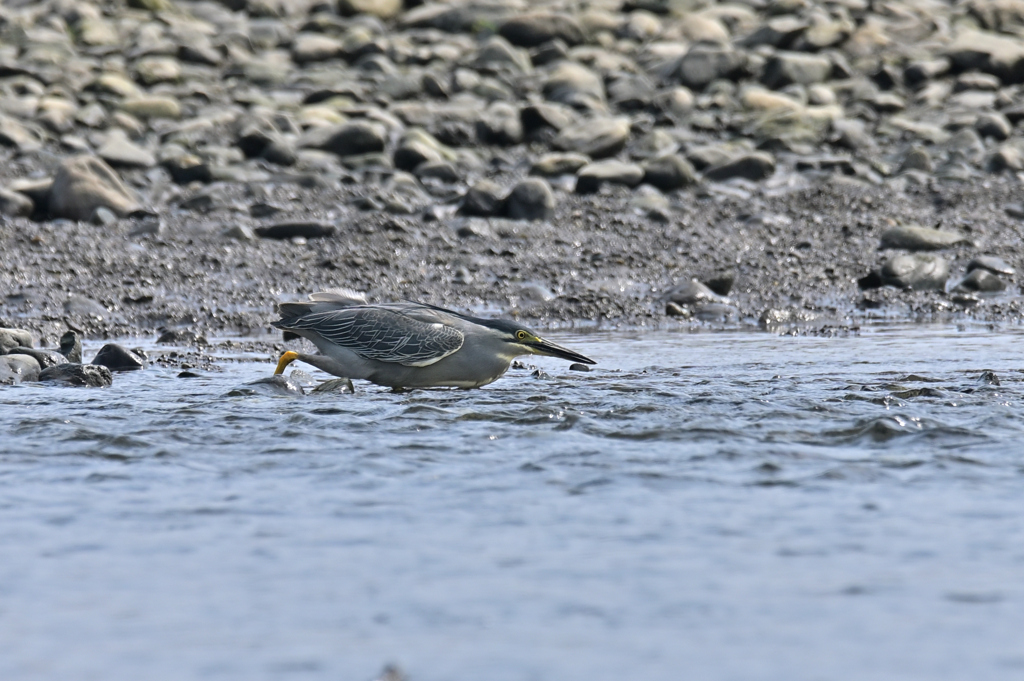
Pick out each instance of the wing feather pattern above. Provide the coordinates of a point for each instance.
(382, 334)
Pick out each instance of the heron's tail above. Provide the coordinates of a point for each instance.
(322, 301)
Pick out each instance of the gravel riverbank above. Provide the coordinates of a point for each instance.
(186, 166)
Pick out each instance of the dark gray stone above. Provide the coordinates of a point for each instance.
(118, 358)
(290, 230)
(981, 280)
(756, 165)
(788, 68)
(669, 172)
(483, 199)
(706, 62)
(593, 176)
(531, 199)
(356, 138)
(71, 346)
(78, 375)
(537, 28)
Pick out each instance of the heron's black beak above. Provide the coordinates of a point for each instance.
(543, 347)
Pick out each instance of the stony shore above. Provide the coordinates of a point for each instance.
(184, 166)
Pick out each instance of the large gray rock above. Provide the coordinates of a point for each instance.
(18, 368)
(916, 238)
(531, 199)
(597, 137)
(46, 358)
(537, 28)
(78, 375)
(84, 184)
(13, 338)
(917, 272)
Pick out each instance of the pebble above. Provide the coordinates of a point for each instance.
(917, 238)
(593, 176)
(597, 138)
(669, 172)
(78, 375)
(754, 166)
(531, 199)
(917, 272)
(292, 230)
(992, 263)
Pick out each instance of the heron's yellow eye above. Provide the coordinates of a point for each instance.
(521, 335)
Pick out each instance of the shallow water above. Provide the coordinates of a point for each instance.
(703, 506)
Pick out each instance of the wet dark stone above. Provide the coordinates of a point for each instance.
(78, 375)
(278, 384)
(118, 358)
(354, 138)
(336, 385)
(531, 199)
(532, 30)
(71, 346)
(46, 358)
(721, 283)
(290, 230)
(753, 166)
(983, 281)
(576, 366)
(669, 172)
(483, 199)
(188, 374)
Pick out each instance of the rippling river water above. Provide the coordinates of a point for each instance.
(700, 506)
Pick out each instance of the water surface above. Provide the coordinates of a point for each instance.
(704, 506)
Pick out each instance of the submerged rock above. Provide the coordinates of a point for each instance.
(278, 384)
(335, 385)
(78, 375)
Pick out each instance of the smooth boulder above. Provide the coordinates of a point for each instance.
(13, 338)
(85, 184)
(16, 368)
(531, 199)
(118, 358)
(916, 272)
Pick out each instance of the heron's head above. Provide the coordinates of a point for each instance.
(526, 342)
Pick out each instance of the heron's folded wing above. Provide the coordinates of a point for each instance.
(384, 335)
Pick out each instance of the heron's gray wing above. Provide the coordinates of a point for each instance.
(383, 334)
